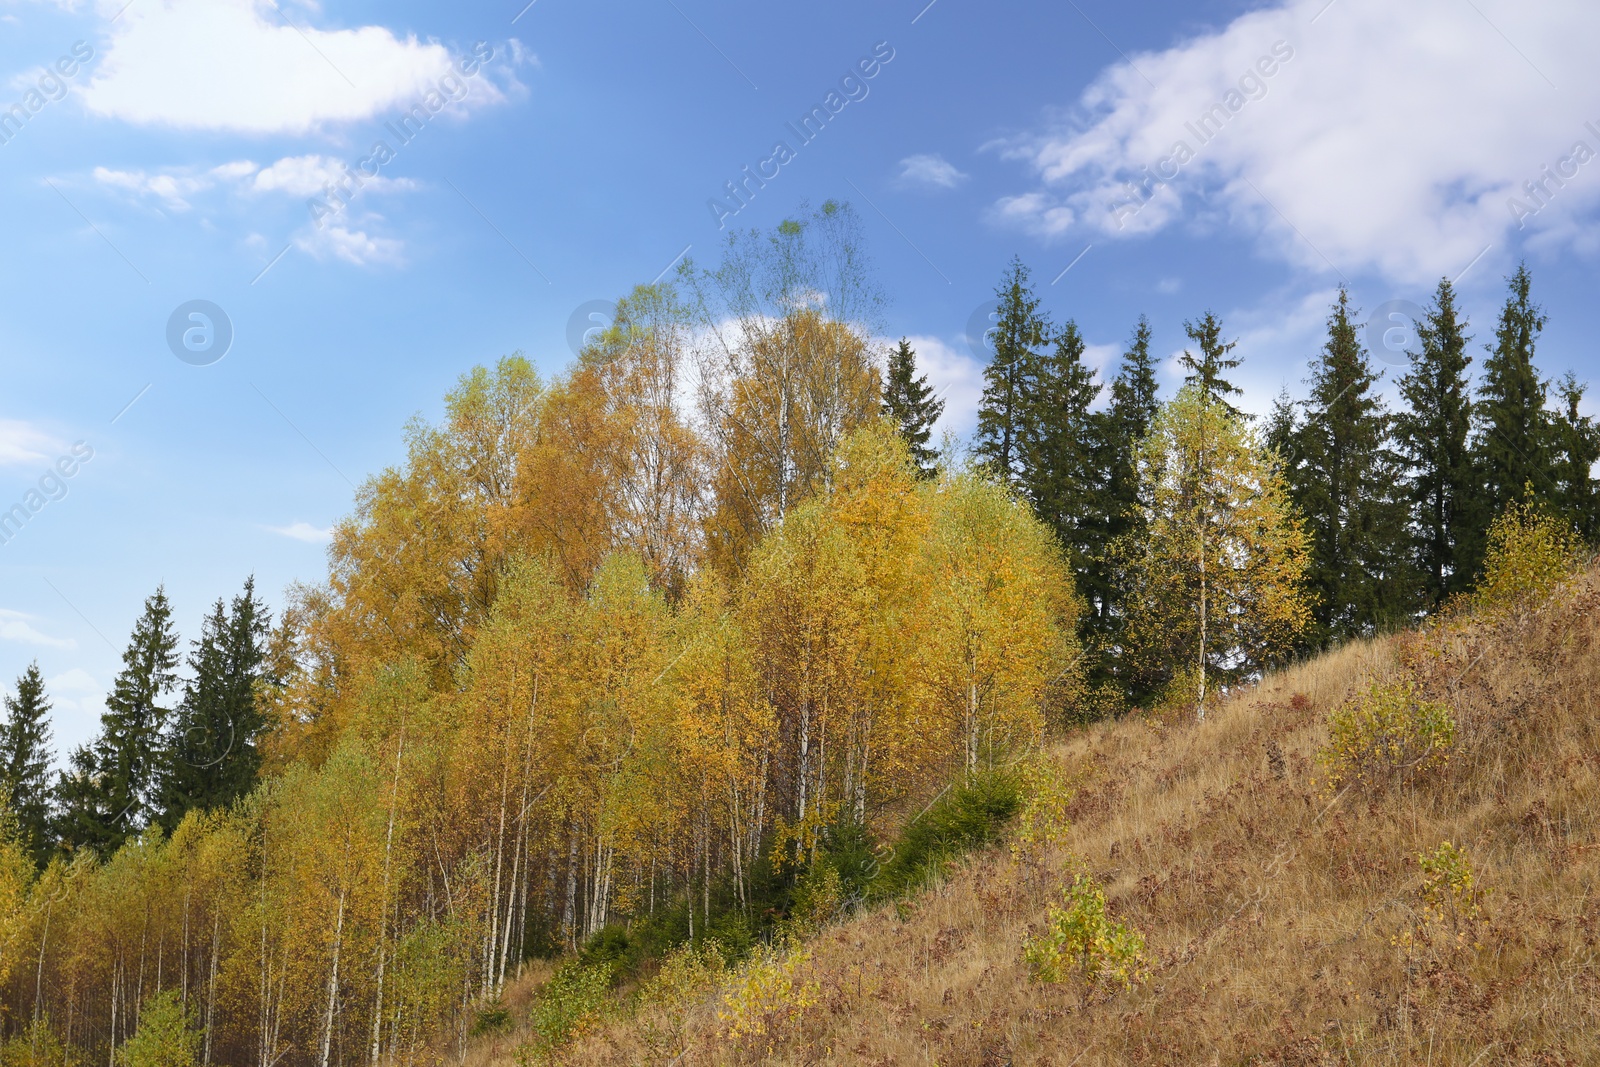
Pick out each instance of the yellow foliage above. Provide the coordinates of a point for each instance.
(1386, 732)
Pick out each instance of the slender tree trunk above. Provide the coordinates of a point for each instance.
(333, 984)
(383, 921)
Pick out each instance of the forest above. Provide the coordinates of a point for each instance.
(666, 647)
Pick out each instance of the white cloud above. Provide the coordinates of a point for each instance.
(23, 445)
(1168, 286)
(304, 531)
(307, 176)
(173, 187)
(295, 176)
(352, 246)
(932, 170)
(1389, 137)
(956, 378)
(15, 626)
(243, 65)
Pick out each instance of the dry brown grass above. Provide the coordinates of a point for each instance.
(1270, 908)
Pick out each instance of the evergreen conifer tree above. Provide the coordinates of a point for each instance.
(909, 401)
(1513, 429)
(1121, 428)
(1061, 464)
(1343, 477)
(211, 757)
(1577, 450)
(25, 763)
(106, 795)
(1432, 435)
(1018, 335)
(1207, 369)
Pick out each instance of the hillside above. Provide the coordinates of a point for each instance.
(1277, 913)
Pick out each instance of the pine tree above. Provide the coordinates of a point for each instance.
(1018, 335)
(1206, 371)
(1432, 436)
(1060, 464)
(211, 756)
(1343, 481)
(1577, 450)
(1513, 428)
(908, 400)
(107, 793)
(25, 763)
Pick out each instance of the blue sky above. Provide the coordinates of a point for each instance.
(1369, 143)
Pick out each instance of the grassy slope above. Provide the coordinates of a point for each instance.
(1269, 907)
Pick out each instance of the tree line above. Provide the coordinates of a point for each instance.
(1394, 505)
(640, 653)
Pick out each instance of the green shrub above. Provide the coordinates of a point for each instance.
(572, 1003)
(1386, 733)
(971, 815)
(492, 1018)
(1080, 940)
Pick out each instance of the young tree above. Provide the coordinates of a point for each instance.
(1432, 436)
(1513, 428)
(210, 757)
(25, 763)
(1577, 450)
(1206, 370)
(909, 402)
(1344, 484)
(1215, 587)
(1018, 335)
(106, 795)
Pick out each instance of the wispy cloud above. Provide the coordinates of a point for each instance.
(15, 626)
(303, 531)
(929, 170)
(25, 445)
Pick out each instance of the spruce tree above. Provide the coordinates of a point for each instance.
(1343, 478)
(1061, 467)
(1018, 335)
(1513, 429)
(211, 757)
(1432, 435)
(1206, 370)
(1577, 450)
(25, 763)
(909, 401)
(1124, 424)
(1120, 430)
(107, 793)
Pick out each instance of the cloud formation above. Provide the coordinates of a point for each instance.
(1357, 135)
(249, 67)
(930, 170)
(15, 626)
